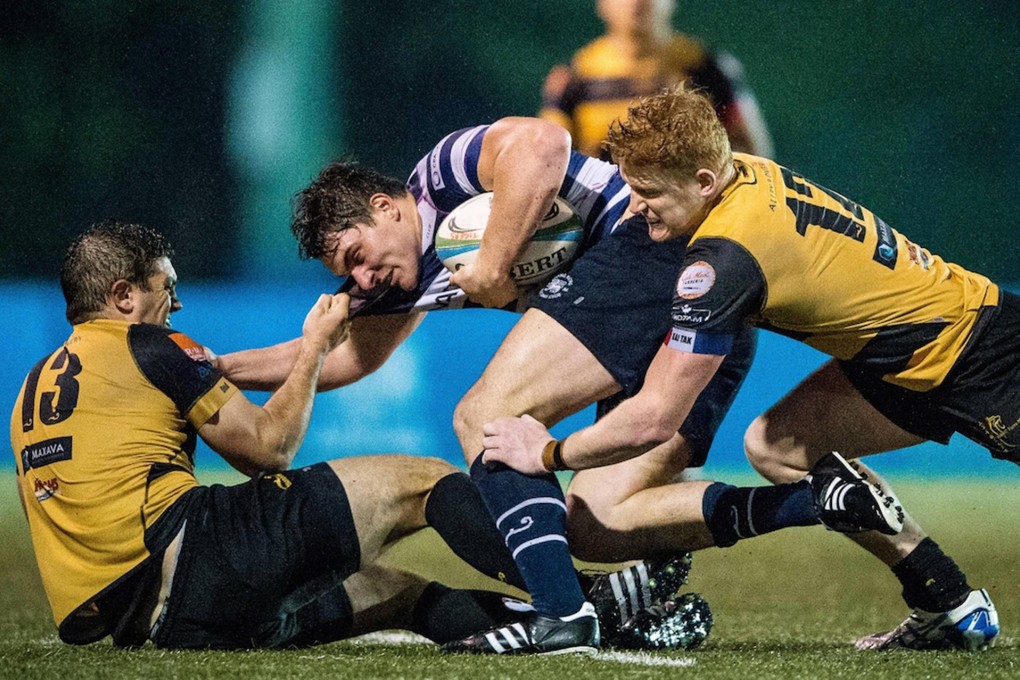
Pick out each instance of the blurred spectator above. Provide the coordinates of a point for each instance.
(640, 54)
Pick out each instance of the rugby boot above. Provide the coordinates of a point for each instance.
(847, 502)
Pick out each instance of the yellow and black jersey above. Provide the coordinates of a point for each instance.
(793, 257)
(600, 84)
(104, 434)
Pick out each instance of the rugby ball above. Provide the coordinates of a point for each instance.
(551, 248)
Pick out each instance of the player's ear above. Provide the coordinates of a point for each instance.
(383, 203)
(708, 181)
(120, 296)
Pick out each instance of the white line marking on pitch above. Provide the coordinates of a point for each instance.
(645, 659)
(635, 658)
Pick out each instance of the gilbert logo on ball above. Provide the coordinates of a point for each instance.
(552, 247)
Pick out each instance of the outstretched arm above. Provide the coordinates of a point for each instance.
(523, 162)
(649, 418)
(372, 341)
(253, 438)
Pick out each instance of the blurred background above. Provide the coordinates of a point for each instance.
(203, 119)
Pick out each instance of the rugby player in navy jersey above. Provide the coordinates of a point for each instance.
(588, 335)
(921, 347)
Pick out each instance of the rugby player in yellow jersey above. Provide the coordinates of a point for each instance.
(130, 545)
(921, 347)
(640, 54)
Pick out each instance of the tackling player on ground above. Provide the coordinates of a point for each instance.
(130, 545)
(921, 348)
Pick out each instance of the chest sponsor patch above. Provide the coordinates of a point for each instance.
(46, 453)
(45, 489)
(695, 280)
(194, 350)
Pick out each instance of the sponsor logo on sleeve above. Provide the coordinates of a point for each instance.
(686, 314)
(695, 280)
(195, 351)
(681, 339)
(46, 453)
(435, 172)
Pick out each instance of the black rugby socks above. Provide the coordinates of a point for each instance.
(734, 513)
(931, 580)
(456, 511)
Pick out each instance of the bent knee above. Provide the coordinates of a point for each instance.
(768, 457)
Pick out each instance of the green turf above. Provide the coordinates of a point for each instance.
(786, 606)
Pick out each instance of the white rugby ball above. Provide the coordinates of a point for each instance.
(551, 248)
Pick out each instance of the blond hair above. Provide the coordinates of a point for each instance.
(677, 131)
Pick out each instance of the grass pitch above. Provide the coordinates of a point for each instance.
(786, 606)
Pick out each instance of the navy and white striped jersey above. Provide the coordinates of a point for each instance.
(447, 177)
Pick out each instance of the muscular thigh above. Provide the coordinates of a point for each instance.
(588, 333)
(540, 369)
(387, 495)
(823, 413)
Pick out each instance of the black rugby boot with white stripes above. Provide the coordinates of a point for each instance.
(847, 502)
(683, 623)
(536, 634)
(620, 595)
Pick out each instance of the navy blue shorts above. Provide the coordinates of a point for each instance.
(980, 398)
(262, 564)
(617, 299)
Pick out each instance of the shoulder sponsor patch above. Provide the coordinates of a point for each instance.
(46, 453)
(194, 350)
(695, 280)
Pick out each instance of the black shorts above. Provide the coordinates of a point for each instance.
(617, 299)
(262, 564)
(980, 397)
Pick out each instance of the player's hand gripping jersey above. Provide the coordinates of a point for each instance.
(447, 177)
(104, 435)
(795, 258)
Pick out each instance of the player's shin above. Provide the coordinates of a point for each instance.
(456, 511)
(734, 513)
(931, 579)
(530, 514)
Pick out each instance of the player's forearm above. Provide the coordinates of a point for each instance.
(283, 421)
(626, 432)
(264, 368)
(651, 417)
